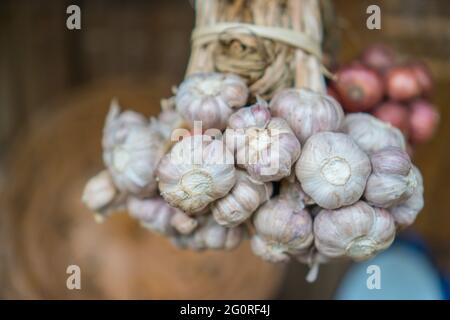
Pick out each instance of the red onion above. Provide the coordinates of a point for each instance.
(359, 87)
(379, 57)
(394, 113)
(423, 121)
(402, 84)
(423, 76)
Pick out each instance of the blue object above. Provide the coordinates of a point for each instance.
(405, 271)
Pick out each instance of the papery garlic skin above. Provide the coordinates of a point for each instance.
(393, 179)
(210, 98)
(358, 231)
(197, 171)
(307, 112)
(282, 228)
(333, 170)
(238, 205)
(291, 188)
(183, 223)
(266, 147)
(372, 134)
(132, 149)
(153, 213)
(405, 213)
(99, 192)
(211, 235)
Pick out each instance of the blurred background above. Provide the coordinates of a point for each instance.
(55, 88)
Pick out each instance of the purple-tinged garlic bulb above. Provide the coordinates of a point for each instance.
(210, 235)
(239, 204)
(358, 231)
(156, 215)
(372, 134)
(266, 147)
(197, 171)
(393, 178)
(283, 228)
(405, 213)
(307, 112)
(210, 98)
(132, 149)
(101, 196)
(333, 170)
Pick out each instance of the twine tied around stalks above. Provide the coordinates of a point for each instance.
(273, 45)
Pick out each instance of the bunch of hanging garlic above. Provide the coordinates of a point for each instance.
(298, 177)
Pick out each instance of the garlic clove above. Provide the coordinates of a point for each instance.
(372, 134)
(358, 231)
(405, 213)
(238, 205)
(257, 115)
(210, 98)
(196, 172)
(333, 170)
(307, 112)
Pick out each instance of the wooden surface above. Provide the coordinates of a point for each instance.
(41, 63)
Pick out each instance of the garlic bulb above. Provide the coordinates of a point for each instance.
(153, 213)
(307, 112)
(183, 223)
(238, 205)
(405, 213)
(197, 171)
(156, 215)
(393, 179)
(283, 228)
(358, 231)
(266, 147)
(372, 134)
(99, 191)
(132, 149)
(211, 235)
(333, 170)
(101, 196)
(210, 98)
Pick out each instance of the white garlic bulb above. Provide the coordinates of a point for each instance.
(358, 231)
(197, 171)
(393, 179)
(157, 215)
(283, 228)
(405, 213)
(333, 170)
(153, 213)
(307, 112)
(101, 196)
(99, 191)
(266, 147)
(238, 205)
(211, 235)
(210, 98)
(372, 134)
(132, 149)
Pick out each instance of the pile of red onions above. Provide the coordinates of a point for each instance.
(395, 92)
